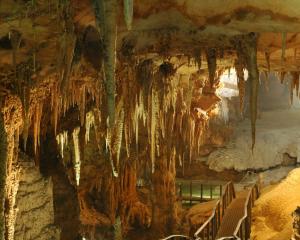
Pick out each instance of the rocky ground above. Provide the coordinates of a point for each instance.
(272, 214)
(277, 143)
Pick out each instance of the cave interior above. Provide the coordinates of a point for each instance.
(149, 119)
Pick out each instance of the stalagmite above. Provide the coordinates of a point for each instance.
(77, 161)
(3, 162)
(128, 13)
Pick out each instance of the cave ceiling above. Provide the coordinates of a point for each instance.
(161, 28)
(40, 41)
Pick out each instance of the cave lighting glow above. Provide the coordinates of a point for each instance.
(228, 88)
(228, 83)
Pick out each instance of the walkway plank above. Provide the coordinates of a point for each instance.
(233, 214)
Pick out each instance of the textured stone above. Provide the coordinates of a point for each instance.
(35, 215)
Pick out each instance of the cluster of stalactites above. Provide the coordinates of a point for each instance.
(62, 142)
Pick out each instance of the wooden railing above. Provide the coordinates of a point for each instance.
(243, 228)
(190, 197)
(209, 229)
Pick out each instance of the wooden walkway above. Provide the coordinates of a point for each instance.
(232, 216)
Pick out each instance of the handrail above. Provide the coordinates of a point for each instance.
(208, 221)
(175, 237)
(212, 224)
(243, 228)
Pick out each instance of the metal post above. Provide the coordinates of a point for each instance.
(191, 192)
(180, 191)
(201, 193)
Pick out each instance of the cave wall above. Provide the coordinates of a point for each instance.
(34, 203)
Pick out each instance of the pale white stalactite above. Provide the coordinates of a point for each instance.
(62, 141)
(37, 125)
(119, 135)
(89, 122)
(153, 128)
(77, 154)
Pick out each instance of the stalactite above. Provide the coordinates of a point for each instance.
(26, 130)
(283, 48)
(267, 56)
(128, 13)
(267, 82)
(89, 122)
(15, 39)
(211, 57)
(118, 136)
(108, 26)
(77, 161)
(239, 68)
(37, 125)
(3, 162)
(62, 141)
(67, 48)
(154, 123)
(190, 94)
(198, 59)
(191, 137)
(294, 85)
(282, 75)
(82, 104)
(249, 48)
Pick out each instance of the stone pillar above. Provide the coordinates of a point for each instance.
(164, 212)
(3, 156)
